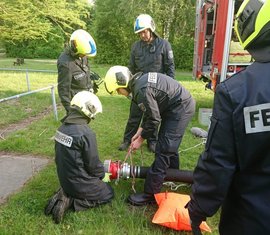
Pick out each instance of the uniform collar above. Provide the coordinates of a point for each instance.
(133, 80)
(151, 43)
(260, 55)
(75, 117)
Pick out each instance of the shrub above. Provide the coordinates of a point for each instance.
(183, 53)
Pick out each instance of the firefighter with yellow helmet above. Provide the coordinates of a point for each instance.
(149, 54)
(234, 170)
(79, 169)
(166, 104)
(73, 68)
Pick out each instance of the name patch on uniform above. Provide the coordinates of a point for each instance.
(170, 55)
(142, 107)
(79, 76)
(152, 77)
(63, 139)
(257, 118)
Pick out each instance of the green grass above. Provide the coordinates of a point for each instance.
(23, 213)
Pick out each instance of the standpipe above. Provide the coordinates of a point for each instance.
(119, 170)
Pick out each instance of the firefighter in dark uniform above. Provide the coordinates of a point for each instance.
(79, 169)
(234, 170)
(150, 54)
(73, 67)
(164, 103)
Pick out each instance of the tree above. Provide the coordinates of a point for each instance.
(113, 31)
(114, 21)
(30, 23)
(22, 20)
(33, 23)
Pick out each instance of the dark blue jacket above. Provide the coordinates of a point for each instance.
(154, 57)
(156, 94)
(234, 170)
(79, 169)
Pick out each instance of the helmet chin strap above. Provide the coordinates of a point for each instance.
(151, 37)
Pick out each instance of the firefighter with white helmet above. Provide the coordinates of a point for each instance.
(144, 22)
(150, 54)
(73, 68)
(165, 104)
(234, 170)
(88, 103)
(80, 171)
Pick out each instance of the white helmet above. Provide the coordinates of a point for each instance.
(88, 103)
(81, 42)
(117, 77)
(143, 22)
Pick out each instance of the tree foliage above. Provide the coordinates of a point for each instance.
(114, 27)
(39, 28)
(22, 20)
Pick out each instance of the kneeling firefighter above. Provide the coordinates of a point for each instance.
(79, 168)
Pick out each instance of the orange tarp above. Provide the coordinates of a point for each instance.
(172, 212)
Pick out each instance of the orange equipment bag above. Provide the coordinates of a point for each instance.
(172, 212)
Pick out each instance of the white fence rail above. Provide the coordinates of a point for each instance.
(29, 92)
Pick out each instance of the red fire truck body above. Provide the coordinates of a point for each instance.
(217, 53)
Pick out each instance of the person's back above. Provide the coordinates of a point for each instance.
(79, 169)
(165, 91)
(246, 206)
(234, 170)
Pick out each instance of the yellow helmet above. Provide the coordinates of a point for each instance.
(117, 77)
(143, 22)
(87, 102)
(81, 42)
(253, 22)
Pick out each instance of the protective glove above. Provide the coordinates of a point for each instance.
(106, 178)
(195, 220)
(195, 226)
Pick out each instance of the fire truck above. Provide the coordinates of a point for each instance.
(217, 51)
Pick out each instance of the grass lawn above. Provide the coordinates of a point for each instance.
(23, 212)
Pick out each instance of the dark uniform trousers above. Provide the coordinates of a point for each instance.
(172, 128)
(84, 204)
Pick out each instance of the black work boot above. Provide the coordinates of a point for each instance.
(124, 146)
(52, 202)
(60, 208)
(141, 199)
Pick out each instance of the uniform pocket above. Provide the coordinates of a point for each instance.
(171, 142)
